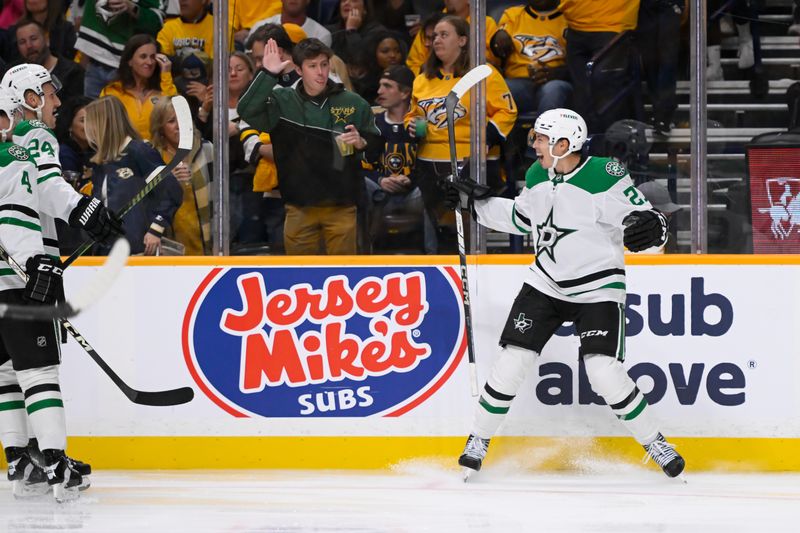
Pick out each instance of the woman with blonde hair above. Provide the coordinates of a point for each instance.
(120, 166)
(143, 75)
(192, 223)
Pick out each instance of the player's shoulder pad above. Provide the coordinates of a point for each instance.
(10, 153)
(536, 174)
(599, 174)
(37, 126)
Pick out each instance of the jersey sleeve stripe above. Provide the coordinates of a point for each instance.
(48, 166)
(50, 242)
(47, 177)
(25, 210)
(516, 215)
(21, 223)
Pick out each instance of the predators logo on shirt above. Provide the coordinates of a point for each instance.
(436, 113)
(542, 48)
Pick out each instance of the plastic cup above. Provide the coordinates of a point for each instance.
(344, 148)
(420, 127)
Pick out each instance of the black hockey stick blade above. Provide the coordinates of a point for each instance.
(163, 398)
(185, 143)
(88, 295)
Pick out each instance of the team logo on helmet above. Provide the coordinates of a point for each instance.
(615, 169)
(436, 113)
(540, 48)
(18, 152)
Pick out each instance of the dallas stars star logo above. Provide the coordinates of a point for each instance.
(522, 323)
(548, 236)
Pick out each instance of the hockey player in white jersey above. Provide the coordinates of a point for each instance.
(580, 210)
(33, 91)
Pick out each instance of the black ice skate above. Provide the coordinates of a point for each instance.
(27, 478)
(472, 457)
(62, 475)
(84, 469)
(665, 456)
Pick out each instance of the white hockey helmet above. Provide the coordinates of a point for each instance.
(9, 106)
(29, 77)
(562, 124)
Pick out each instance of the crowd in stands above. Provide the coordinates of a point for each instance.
(337, 129)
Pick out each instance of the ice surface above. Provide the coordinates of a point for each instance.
(417, 497)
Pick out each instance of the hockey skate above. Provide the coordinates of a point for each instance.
(63, 475)
(665, 456)
(472, 457)
(84, 469)
(27, 478)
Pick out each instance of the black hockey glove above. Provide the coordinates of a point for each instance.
(92, 216)
(467, 187)
(644, 229)
(45, 284)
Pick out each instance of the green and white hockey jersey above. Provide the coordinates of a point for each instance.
(20, 230)
(57, 198)
(576, 222)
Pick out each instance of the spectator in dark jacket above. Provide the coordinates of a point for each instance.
(60, 33)
(120, 166)
(352, 28)
(33, 46)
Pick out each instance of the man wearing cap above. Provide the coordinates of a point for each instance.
(658, 195)
(389, 185)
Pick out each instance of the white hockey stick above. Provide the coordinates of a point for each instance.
(87, 296)
(469, 80)
(185, 143)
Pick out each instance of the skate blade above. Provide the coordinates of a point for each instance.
(22, 490)
(63, 494)
(682, 479)
(466, 473)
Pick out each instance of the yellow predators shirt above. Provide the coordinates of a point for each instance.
(418, 53)
(601, 15)
(427, 101)
(535, 37)
(176, 35)
(242, 14)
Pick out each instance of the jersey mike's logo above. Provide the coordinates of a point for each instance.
(323, 342)
(436, 113)
(540, 48)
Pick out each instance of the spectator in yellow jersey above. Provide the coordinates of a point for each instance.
(592, 25)
(294, 11)
(420, 52)
(142, 77)
(244, 14)
(530, 42)
(193, 30)
(192, 223)
(428, 122)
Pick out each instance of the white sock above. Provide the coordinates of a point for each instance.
(45, 406)
(13, 420)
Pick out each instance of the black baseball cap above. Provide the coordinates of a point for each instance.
(401, 74)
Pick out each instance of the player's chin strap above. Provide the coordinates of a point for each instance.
(556, 159)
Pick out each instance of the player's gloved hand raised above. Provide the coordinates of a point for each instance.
(644, 229)
(93, 217)
(468, 188)
(45, 284)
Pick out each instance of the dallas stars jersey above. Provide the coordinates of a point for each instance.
(427, 101)
(177, 35)
(57, 198)
(20, 230)
(535, 37)
(576, 221)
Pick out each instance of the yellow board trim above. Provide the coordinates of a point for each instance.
(369, 453)
(433, 260)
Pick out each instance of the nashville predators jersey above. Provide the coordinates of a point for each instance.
(536, 38)
(601, 15)
(575, 221)
(418, 54)
(177, 35)
(20, 228)
(57, 198)
(427, 101)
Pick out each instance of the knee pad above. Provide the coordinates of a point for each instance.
(608, 378)
(510, 369)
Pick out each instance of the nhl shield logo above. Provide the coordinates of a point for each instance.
(41, 341)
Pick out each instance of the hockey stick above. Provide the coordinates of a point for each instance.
(185, 143)
(471, 78)
(89, 294)
(157, 398)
